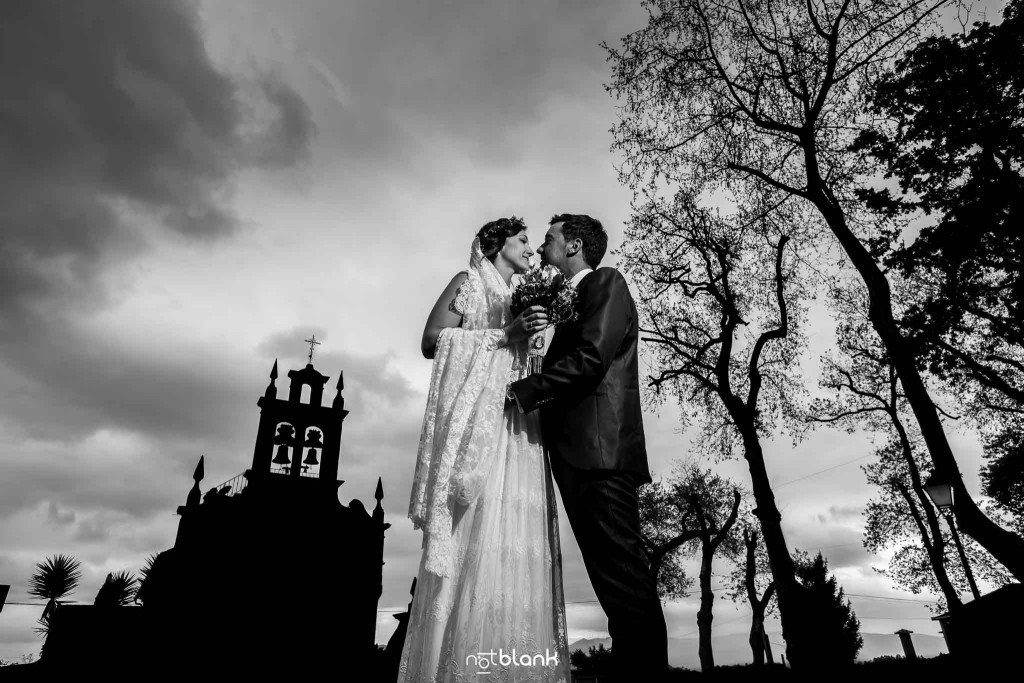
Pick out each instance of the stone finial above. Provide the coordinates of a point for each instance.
(271, 391)
(194, 495)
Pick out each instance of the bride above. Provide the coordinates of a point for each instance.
(488, 604)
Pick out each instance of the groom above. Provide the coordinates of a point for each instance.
(589, 397)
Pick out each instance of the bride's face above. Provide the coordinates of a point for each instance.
(517, 252)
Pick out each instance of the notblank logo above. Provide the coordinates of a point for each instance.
(484, 661)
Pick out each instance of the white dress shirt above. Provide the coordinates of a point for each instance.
(575, 281)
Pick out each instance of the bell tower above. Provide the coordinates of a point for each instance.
(296, 438)
(279, 523)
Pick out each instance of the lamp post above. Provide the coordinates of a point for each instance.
(940, 492)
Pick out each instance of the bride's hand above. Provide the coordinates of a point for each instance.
(533, 319)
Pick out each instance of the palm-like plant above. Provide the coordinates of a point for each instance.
(153, 562)
(118, 590)
(54, 579)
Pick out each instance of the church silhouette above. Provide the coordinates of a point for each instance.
(269, 573)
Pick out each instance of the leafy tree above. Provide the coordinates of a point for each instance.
(698, 509)
(955, 147)
(118, 590)
(715, 502)
(836, 635)
(751, 581)
(865, 395)
(1003, 474)
(923, 559)
(762, 101)
(721, 308)
(665, 526)
(53, 580)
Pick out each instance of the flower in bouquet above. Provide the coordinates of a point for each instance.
(544, 286)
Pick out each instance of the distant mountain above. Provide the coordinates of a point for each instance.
(734, 648)
(586, 643)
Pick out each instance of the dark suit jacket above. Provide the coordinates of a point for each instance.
(589, 390)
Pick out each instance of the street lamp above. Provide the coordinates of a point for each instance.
(940, 492)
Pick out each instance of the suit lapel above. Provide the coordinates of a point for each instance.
(567, 334)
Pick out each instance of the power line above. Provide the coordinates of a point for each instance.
(827, 469)
(722, 588)
(879, 597)
(593, 602)
(720, 623)
(894, 618)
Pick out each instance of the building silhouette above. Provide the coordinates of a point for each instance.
(270, 574)
(270, 571)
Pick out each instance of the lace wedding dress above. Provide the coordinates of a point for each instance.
(488, 604)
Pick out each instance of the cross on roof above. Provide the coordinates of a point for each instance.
(312, 342)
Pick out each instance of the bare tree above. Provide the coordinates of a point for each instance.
(718, 303)
(765, 97)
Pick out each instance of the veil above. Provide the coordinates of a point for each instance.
(465, 406)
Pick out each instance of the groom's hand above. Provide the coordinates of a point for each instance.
(510, 400)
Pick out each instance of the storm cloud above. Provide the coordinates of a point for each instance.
(120, 123)
(117, 132)
(122, 132)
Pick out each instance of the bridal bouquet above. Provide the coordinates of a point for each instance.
(544, 286)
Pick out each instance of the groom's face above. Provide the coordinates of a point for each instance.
(552, 252)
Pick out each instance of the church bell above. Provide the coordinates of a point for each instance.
(282, 456)
(311, 458)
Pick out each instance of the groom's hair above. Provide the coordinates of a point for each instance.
(587, 229)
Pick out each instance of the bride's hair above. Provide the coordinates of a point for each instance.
(493, 235)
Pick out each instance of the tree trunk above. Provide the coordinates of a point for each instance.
(937, 555)
(704, 615)
(789, 592)
(758, 604)
(767, 644)
(757, 638)
(933, 543)
(1004, 545)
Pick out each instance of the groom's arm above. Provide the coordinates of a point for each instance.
(605, 317)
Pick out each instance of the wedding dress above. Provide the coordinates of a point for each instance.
(488, 604)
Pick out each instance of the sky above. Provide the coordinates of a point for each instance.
(191, 189)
